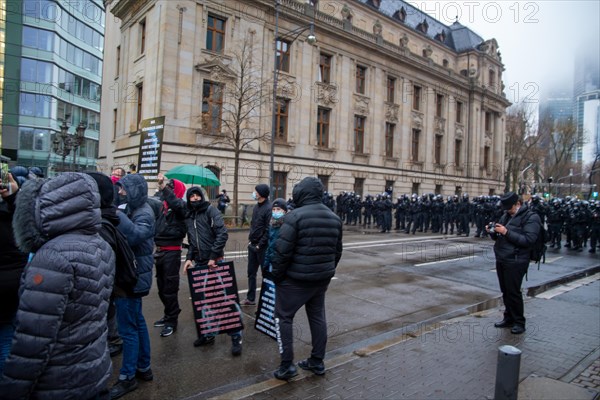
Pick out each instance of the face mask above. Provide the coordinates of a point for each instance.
(254, 196)
(278, 214)
(195, 204)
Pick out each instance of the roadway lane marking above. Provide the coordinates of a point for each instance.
(568, 287)
(386, 244)
(422, 250)
(393, 240)
(551, 260)
(443, 261)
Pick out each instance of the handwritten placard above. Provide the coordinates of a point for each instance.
(215, 299)
(265, 313)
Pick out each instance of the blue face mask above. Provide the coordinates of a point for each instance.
(278, 214)
(254, 196)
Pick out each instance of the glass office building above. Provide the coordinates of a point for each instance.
(51, 71)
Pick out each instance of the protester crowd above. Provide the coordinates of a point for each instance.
(78, 254)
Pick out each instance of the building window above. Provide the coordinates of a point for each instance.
(279, 184)
(282, 120)
(416, 97)
(488, 122)
(438, 189)
(459, 111)
(361, 75)
(25, 138)
(415, 187)
(416, 133)
(213, 191)
(389, 139)
(445, 63)
(325, 68)
(359, 184)
(215, 34)
(457, 151)
(391, 87)
(283, 55)
(438, 149)
(118, 61)
(140, 92)
(325, 181)
(486, 157)
(114, 124)
(359, 134)
(389, 186)
(439, 105)
(142, 36)
(212, 106)
(492, 78)
(323, 115)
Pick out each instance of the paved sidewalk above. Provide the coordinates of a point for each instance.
(457, 359)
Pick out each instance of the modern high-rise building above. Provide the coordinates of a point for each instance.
(51, 72)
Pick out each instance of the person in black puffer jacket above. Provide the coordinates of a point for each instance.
(12, 262)
(515, 234)
(60, 344)
(306, 255)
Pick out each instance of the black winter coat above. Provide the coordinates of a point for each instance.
(59, 349)
(310, 240)
(523, 230)
(170, 226)
(207, 234)
(259, 226)
(12, 262)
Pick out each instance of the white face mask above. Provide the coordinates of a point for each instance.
(254, 196)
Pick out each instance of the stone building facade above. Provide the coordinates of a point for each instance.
(386, 97)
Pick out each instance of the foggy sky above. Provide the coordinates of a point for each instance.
(538, 40)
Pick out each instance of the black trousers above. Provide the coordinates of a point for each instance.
(168, 264)
(510, 278)
(255, 260)
(289, 297)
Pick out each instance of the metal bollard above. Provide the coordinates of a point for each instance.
(507, 373)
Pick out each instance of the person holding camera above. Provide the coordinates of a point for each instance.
(515, 233)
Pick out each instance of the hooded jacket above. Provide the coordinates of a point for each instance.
(136, 223)
(207, 234)
(309, 246)
(60, 347)
(523, 230)
(170, 224)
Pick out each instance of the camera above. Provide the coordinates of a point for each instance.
(5, 184)
(492, 227)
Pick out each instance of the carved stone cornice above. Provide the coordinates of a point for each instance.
(125, 9)
(417, 119)
(326, 94)
(440, 125)
(287, 87)
(361, 104)
(391, 112)
(216, 70)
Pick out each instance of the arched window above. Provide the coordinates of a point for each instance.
(213, 191)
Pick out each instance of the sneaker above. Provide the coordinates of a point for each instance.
(115, 349)
(248, 303)
(167, 331)
(204, 340)
(236, 345)
(315, 368)
(145, 376)
(122, 387)
(160, 323)
(285, 373)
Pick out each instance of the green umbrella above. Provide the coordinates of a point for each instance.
(194, 175)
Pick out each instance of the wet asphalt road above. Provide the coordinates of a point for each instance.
(383, 283)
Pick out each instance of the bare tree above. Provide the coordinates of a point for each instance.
(522, 142)
(232, 114)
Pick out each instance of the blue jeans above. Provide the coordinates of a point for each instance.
(6, 335)
(134, 332)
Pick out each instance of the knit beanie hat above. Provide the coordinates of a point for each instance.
(281, 203)
(263, 190)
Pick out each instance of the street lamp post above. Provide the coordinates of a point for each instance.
(291, 36)
(64, 143)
